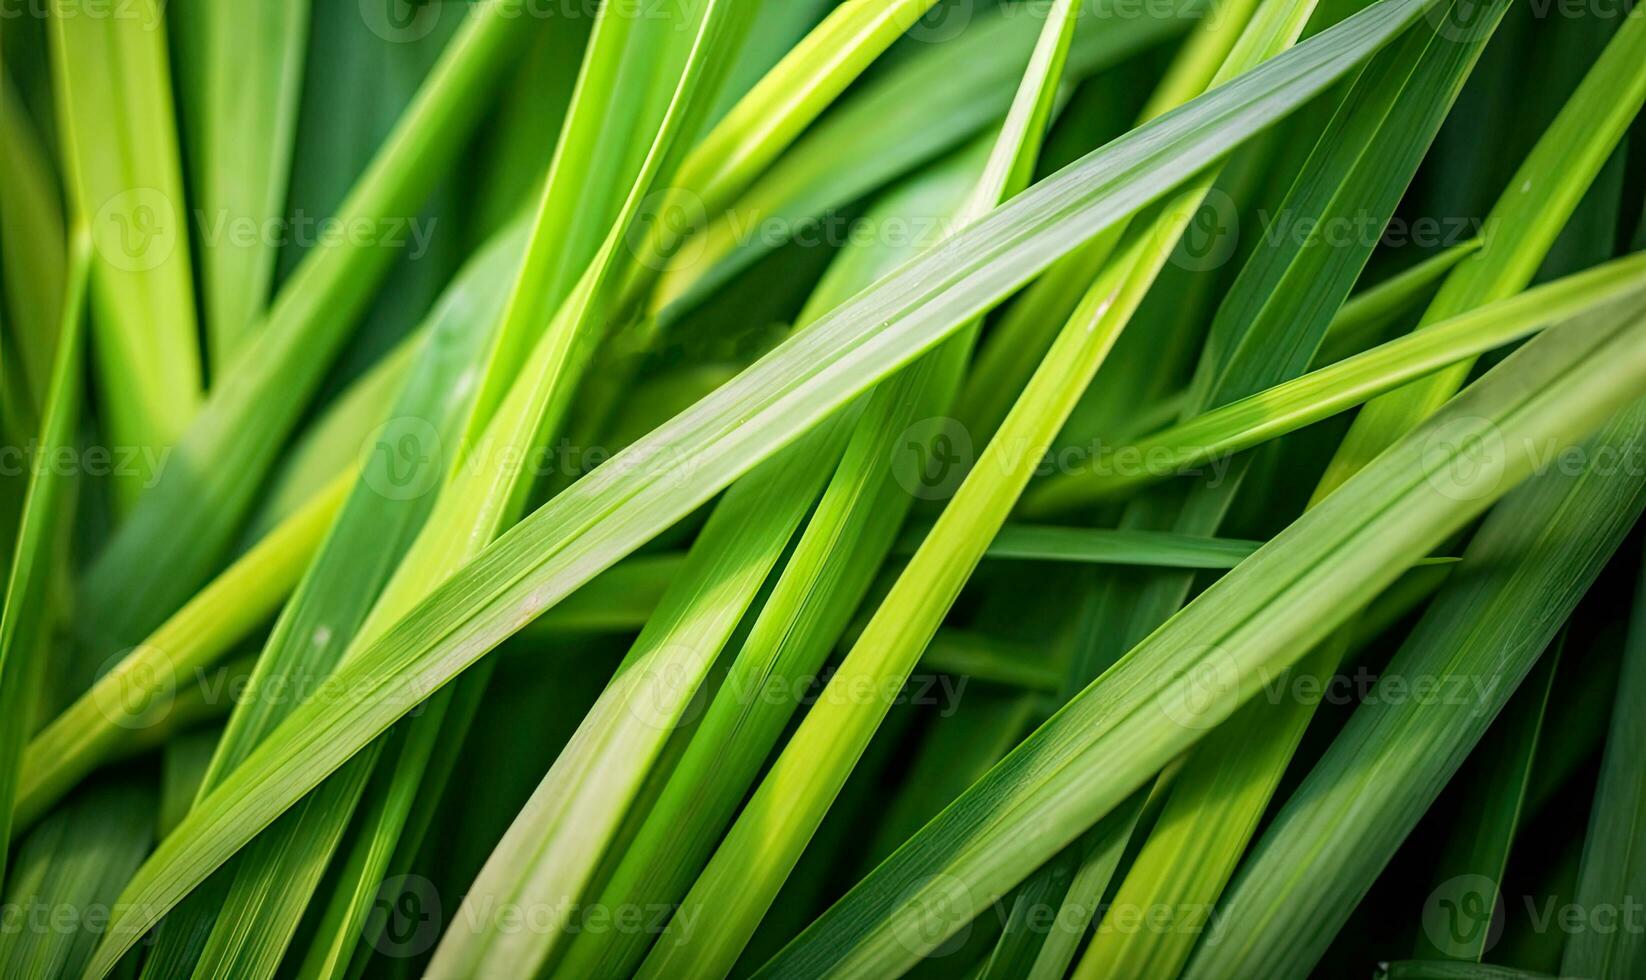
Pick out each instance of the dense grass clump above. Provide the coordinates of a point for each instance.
(983, 488)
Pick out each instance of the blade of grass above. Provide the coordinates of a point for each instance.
(774, 112)
(805, 610)
(239, 73)
(331, 444)
(1521, 576)
(1613, 869)
(917, 111)
(1493, 792)
(383, 515)
(1363, 320)
(725, 435)
(113, 83)
(1534, 207)
(1227, 789)
(797, 791)
(25, 621)
(214, 472)
(1032, 542)
(1287, 407)
(567, 825)
(69, 868)
(136, 692)
(1194, 672)
(486, 491)
(32, 246)
(382, 55)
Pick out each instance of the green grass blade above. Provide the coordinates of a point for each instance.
(1095, 546)
(918, 110)
(628, 500)
(566, 827)
(1493, 794)
(331, 444)
(213, 473)
(1613, 870)
(32, 246)
(1290, 406)
(774, 112)
(1521, 228)
(1543, 547)
(1227, 790)
(239, 74)
(113, 83)
(383, 515)
(25, 621)
(137, 692)
(1366, 316)
(806, 609)
(1194, 672)
(73, 865)
(486, 488)
(790, 803)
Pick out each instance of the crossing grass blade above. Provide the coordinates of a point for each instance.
(1193, 673)
(929, 104)
(725, 435)
(212, 475)
(564, 821)
(762, 848)
(485, 489)
(1290, 406)
(1543, 548)
(1226, 791)
(137, 692)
